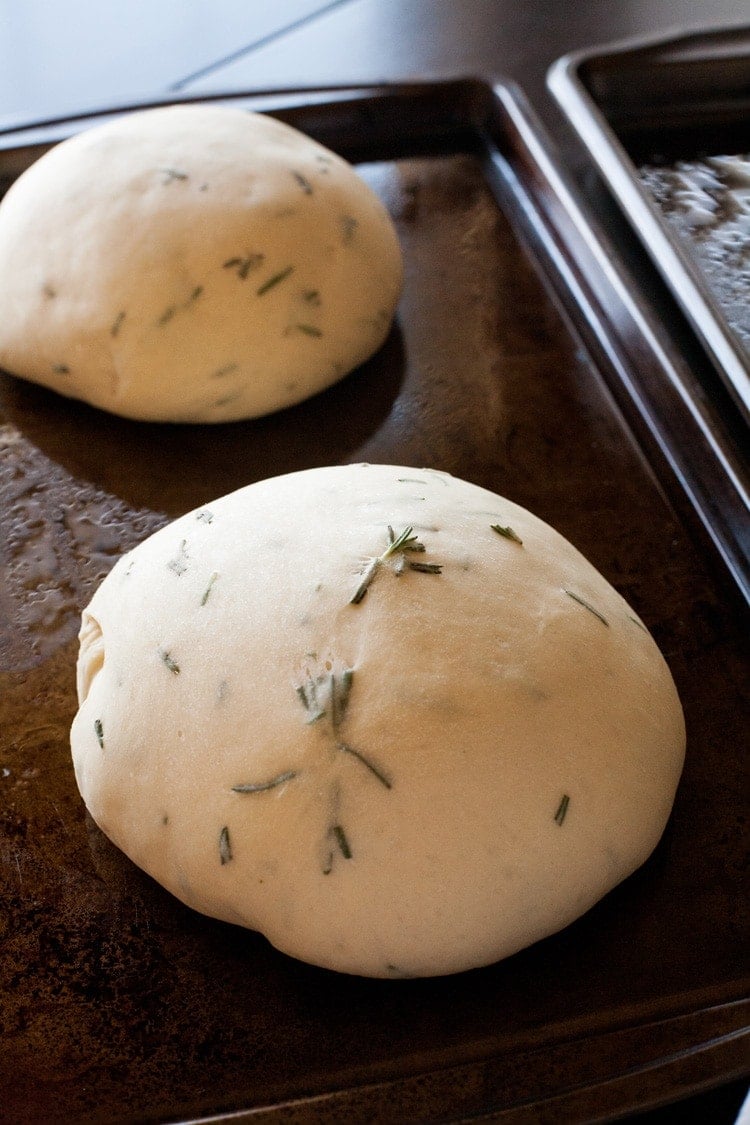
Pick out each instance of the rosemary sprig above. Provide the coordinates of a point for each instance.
(99, 730)
(507, 533)
(562, 809)
(588, 606)
(398, 545)
(225, 846)
(264, 786)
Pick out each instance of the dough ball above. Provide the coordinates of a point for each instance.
(388, 718)
(193, 264)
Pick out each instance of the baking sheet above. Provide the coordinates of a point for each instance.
(514, 362)
(665, 103)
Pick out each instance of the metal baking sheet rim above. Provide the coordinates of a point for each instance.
(613, 162)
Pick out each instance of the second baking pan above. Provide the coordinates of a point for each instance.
(659, 118)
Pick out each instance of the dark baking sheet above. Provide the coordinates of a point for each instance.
(519, 362)
(666, 101)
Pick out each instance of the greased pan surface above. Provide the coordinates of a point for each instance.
(117, 1003)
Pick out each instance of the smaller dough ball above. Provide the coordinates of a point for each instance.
(405, 767)
(193, 264)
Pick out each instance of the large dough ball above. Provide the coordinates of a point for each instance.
(193, 263)
(386, 770)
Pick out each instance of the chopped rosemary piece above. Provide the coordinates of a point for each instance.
(506, 532)
(179, 563)
(194, 295)
(61, 369)
(225, 846)
(342, 841)
(588, 606)
(274, 280)
(348, 228)
(207, 590)
(227, 369)
(562, 809)
(167, 660)
(382, 778)
(311, 297)
(308, 329)
(397, 545)
(166, 316)
(243, 266)
(303, 182)
(99, 729)
(117, 323)
(173, 174)
(410, 480)
(263, 786)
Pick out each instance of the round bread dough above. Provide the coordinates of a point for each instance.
(193, 264)
(412, 766)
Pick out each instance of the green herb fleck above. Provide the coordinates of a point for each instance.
(207, 590)
(410, 480)
(264, 786)
(194, 295)
(308, 330)
(225, 846)
(341, 840)
(49, 290)
(274, 280)
(117, 323)
(303, 182)
(507, 533)
(406, 541)
(311, 297)
(562, 809)
(588, 606)
(99, 730)
(205, 516)
(169, 662)
(61, 369)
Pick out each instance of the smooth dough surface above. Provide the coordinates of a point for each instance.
(193, 264)
(426, 779)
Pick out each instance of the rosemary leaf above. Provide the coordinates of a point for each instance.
(171, 174)
(117, 323)
(303, 182)
(506, 532)
(378, 773)
(169, 662)
(263, 786)
(274, 280)
(99, 730)
(588, 606)
(426, 568)
(308, 330)
(342, 841)
(61, 369)
(225, 846)
(562, 809)
(207, 590)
